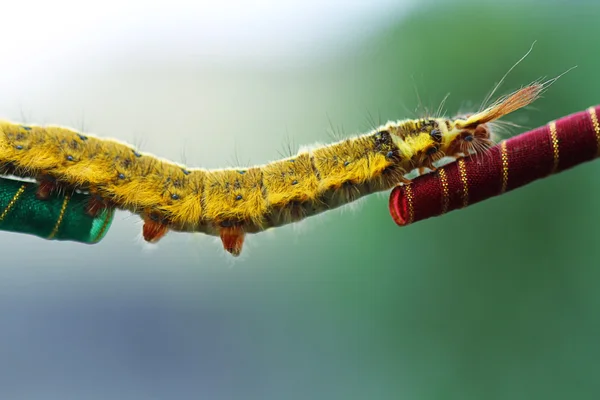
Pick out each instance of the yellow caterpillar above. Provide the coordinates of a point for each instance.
(233, 202)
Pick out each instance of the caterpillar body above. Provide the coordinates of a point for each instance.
(231, 203)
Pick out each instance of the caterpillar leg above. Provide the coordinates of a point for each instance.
(405, 181)
(233, 239)
(429, 164)
(45, 189)
(95, 205)
(423, 170)
(153, 230)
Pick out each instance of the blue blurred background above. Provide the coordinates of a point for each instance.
(496, 301)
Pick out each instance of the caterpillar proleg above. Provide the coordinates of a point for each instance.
(231, 203)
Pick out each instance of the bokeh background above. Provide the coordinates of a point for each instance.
(497, 301)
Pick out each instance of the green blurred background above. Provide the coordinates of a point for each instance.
(496, 301)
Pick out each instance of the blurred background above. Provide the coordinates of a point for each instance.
(497, 301)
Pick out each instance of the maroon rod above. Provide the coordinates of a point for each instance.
(513, 163)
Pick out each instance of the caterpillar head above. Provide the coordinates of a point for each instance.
(472, 133)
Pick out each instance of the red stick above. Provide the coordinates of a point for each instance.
(518, 161)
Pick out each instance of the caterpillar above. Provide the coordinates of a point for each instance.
(231, 203)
